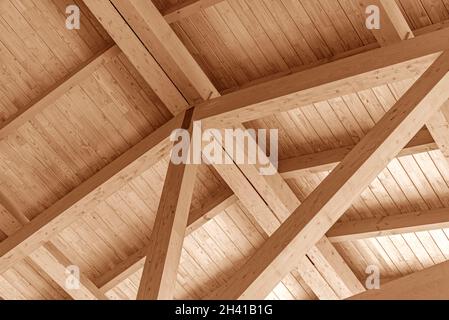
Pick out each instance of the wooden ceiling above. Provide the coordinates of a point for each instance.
(84, 152)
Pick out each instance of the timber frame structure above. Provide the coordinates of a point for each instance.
(86, 180)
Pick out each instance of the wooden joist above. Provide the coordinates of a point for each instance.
(163, 44)
(405, 60)
(137, 54)
(56, 264)
(393, 26)
(328, 160)
(169, 52)
(342, 231)
(394, 29)
(390, 225)
(88, 195)
(51, 260)
(334, 195)
(60, 88)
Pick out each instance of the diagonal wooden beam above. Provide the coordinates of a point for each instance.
(160, 270)
(135, 262)
(51, 95)
(394, 29)
(169, 52)
(250, 187)
(428, 284)
(55, 264)
(87, 195)
(137, 54)
(51, 260)
(187, 8)
(310, 221)
(340, 232)
(366, 70)
(393, 26)
(389, 225)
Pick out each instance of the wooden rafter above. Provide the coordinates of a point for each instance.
(164, 250)
(87, 195)
(405, 60)
(393, 26)
(328, 160)
(78, 196)
(254, 190)
(65, 222)
(197, 218)
(334, 195)
(137, 54)
(394, 29)
(50, 259)
(342, 231)
(390, 225)
(169, 52)
(52, 94)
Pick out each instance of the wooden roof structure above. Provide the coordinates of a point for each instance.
(86, 178)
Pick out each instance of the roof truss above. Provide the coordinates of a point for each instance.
(409, 59)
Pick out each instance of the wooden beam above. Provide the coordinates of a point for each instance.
(393, 26)
(55, 264)
(160, 271)
(428, 284)
(310, 221)
(135, 262)
(137, 54)
(273, 192)
(315, 280)
(328, 160)
(87, 195)
(166, 48)
(51, 260)
(51, 95)
(187, 8)
(255, 191)
(389, 225)
(404, 60)
(394, 29)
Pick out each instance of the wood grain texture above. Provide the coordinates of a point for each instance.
(329, 201)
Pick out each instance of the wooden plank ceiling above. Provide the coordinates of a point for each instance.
(82, 146)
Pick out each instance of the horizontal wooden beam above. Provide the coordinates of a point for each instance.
(288, 168)
(389, 225)
(404, 60)
(61, 87)
(88, 195)
(328, 160)
(325, 205)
